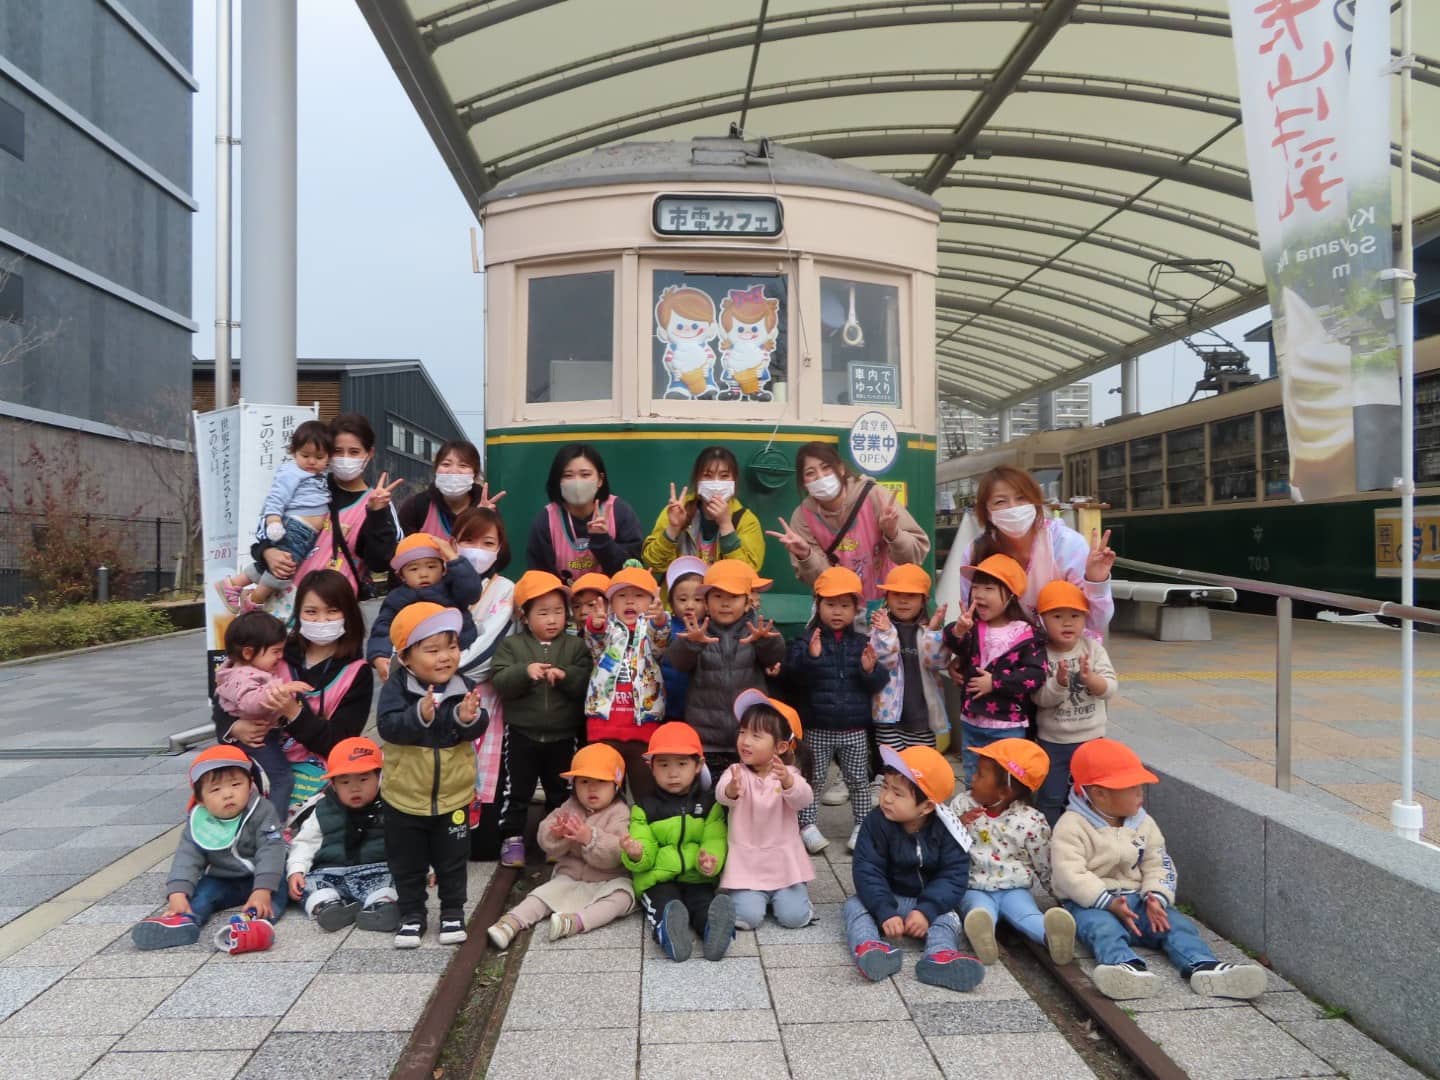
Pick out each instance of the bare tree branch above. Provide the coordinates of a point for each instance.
(17, 338)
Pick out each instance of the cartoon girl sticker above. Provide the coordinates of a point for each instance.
(749, 327)
(685, 321)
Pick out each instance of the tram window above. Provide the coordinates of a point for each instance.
(1111, 486)
(860, 342)
(1274, 454)
(1077, 476)
(1147, 488)
(719, 337)
(1185, 466)
(570, 342)
(1232, 458)
(1427, 429)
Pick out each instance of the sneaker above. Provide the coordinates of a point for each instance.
(512, 852)
(335, 915)
(247, 601)
(383, 917)
(950, 969)
(854, 838)
(814, 839)
(563, 925)
(719, 926)
(673, 932)
(229, 595)
(538, 795)
(877, 961)
(166, 932)
(245, 933)
(412, 929)
(1219, 979)
(452, 927)
(1122, 982)
(980, 932)
(837, 794)
(1059, 935)
(504, 931)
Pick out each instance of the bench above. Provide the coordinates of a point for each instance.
(1165, 610)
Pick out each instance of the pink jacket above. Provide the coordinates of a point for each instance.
(598, 860)
(240, 689)
(766, 852)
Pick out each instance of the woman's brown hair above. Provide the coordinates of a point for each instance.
(822, 452)
(1024, 486)
(476, 520)
(465, 450)
(334, 589)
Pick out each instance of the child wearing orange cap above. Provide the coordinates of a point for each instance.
(676, 849)
(725, 652)
(834, 674)
(589, 888)
(625, 703)
(337, 858)
(1070, 706)
(541, 674)
(1009, 852)
(996, 657)
(429, 715)
(910, 707)
(1115, 877)
(587, 598)
(430, 570)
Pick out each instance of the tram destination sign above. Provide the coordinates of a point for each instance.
(718, 215)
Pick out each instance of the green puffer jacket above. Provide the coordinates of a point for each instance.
(543, 712)
(674, 830)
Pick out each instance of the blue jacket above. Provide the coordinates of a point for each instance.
(676, 681)
(929, 866)
(459, 588)
(832, 691)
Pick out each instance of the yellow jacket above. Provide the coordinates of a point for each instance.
(429, 768)
(747, 542)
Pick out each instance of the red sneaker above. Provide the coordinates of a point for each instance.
(166, 932)
(950, 969)
(877, 961)
(245, 933)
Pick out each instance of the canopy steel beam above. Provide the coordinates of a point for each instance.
(988, 356)
(437, 33)
(1017, 383)
(1011, 332)
(1059, 296)
(1025, 317)
(1000, 253)
(989, 347)
(1022, 58)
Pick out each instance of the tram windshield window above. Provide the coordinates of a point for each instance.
(570, 341)
(719, 337)
(1274, 454)
(1232, 458)
(1147, 488)
(860, 342)
(1111, 486)
(1427, 429)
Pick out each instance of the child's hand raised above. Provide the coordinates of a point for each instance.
(774, 670)
(658, 615)
(707, 864)
(965, 621)
(732, 789)
(1062, 673)
(937, 621)
(759, 630)
(815, 643)
(427, 704)
(382, 668)
(297, 886)
(916, 924)
(695, 632)
(867, 659)
(980, 685)
(595, 623)
(557, 827)
(893, 927)
(1093, 682)
(448, 551)
(632, 847)
(468, 711)
(880, 621)
(577, 830)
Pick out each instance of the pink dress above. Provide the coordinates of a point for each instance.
(765, 851)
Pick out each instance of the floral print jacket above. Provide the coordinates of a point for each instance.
(1017, 672)
(619, 652)
(1011, 851)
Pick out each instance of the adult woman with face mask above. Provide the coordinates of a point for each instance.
(1011, 510)
(706, 519)
(453, 491)
(583, 527)
(846, 520)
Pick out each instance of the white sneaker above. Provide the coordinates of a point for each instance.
(1243, 981)
(837, 794)
(1125, 982)
(854, 836)
(814, 839)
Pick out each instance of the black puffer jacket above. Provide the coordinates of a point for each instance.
(832, 691)
(718, 673)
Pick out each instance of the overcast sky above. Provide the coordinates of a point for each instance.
(384, 247)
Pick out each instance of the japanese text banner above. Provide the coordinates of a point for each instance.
(1315, 98)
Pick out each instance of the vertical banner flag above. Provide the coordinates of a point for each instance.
(1315, 96)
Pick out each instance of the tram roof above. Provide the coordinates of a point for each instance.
(1072, 145)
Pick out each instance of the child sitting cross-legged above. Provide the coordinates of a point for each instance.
(676, 849)
(589, 888)
(231, 854)
(1115, 877)
(910, 871)
(337, 859)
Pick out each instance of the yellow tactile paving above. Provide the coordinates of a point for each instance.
(1268, 675)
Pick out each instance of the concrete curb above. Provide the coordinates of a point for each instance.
(22, 661)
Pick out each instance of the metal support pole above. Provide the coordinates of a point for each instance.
(102, 584)
(1129, 386)
(1284, 630)
(1003, 428)
(1045, 406)
(267, 201)
(223, 152)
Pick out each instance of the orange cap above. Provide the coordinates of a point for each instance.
(734, 577)
(357, 755)
(534, 584)
(418, 621)
(675, 737)
(598, 762)
(925, 767)
(223, 756)
(591, 582)
(908, 578)
(1060, 595)
(1004, 569)
(838, 581)
(413, 547)
(1110, 764)
(1021, 758)
(749, 698)
(633, 577)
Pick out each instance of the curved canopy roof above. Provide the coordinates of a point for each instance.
(1075, 145)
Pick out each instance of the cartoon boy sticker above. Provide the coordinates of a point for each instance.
(749, 327)
(685, 321)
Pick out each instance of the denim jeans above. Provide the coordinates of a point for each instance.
(270, 756)
(1014, 906)
(298, 542)
(1113, 944)
(1054, 793)
(365, 884)
(791, 906)
(214, 894)
(975, 737)
(860, 926)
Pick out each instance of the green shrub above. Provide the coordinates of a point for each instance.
(35, 631)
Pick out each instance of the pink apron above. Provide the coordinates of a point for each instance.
(571, 560)
(325, 556)
(863, 549)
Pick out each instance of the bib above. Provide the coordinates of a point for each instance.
(211, 833)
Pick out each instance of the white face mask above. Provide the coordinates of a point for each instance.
(577, 491)
(825, 487)
(454, 483)
(347, 468)
(480, 558)
(1014, 520)
(322, 633)
(715, 489)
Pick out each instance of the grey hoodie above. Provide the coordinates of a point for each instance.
(258, 851)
